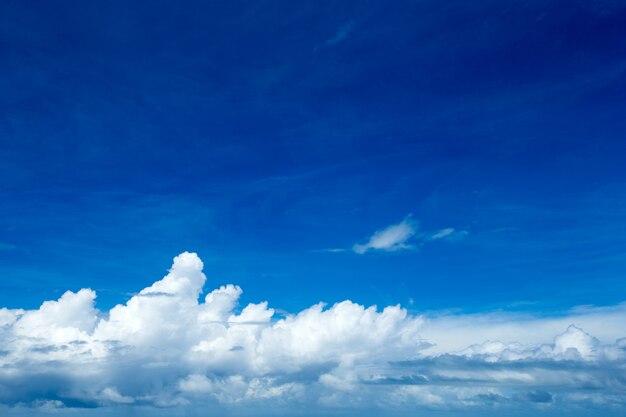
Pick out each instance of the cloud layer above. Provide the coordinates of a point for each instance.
(165, 348)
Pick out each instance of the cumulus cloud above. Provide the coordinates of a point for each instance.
(170, 346)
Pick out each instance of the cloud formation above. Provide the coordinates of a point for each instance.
(402, 236)
(391, 238)
(341, 35)
(167, 348)
(448, 233)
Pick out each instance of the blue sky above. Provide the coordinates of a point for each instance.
(272, 137)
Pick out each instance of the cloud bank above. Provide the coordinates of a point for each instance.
(170, 347)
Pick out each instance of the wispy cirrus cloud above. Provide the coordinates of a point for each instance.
(391, 238)
(402, 236)
(448, 233)
(342, 34)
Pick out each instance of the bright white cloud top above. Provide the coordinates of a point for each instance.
(164, 348)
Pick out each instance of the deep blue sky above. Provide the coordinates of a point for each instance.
(260, 133)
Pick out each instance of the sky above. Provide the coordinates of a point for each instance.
(313, 208)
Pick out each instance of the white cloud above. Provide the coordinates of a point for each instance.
(391, 238)
(443, 233)
(110, 394)
(573, 344)
(330, 250)
(165, 348)
(8, 317)
(402, 236)
(449, 234)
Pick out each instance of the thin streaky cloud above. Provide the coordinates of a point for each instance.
(403, 236)
(341, 34)
(391, 238)
(449, 233)
(329, 250)
(443, 233)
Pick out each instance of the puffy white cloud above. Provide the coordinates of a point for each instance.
(69, 318)
(8, 317)
(575, 340)
(111, 394)
(168, 347)
(573, 344)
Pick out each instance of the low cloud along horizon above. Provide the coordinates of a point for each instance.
(164, 348)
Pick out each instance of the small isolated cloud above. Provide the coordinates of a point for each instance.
(443, 233)
(341, 34)
(391, 238)
(401, 236)
(449, 233)
(329, 250)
